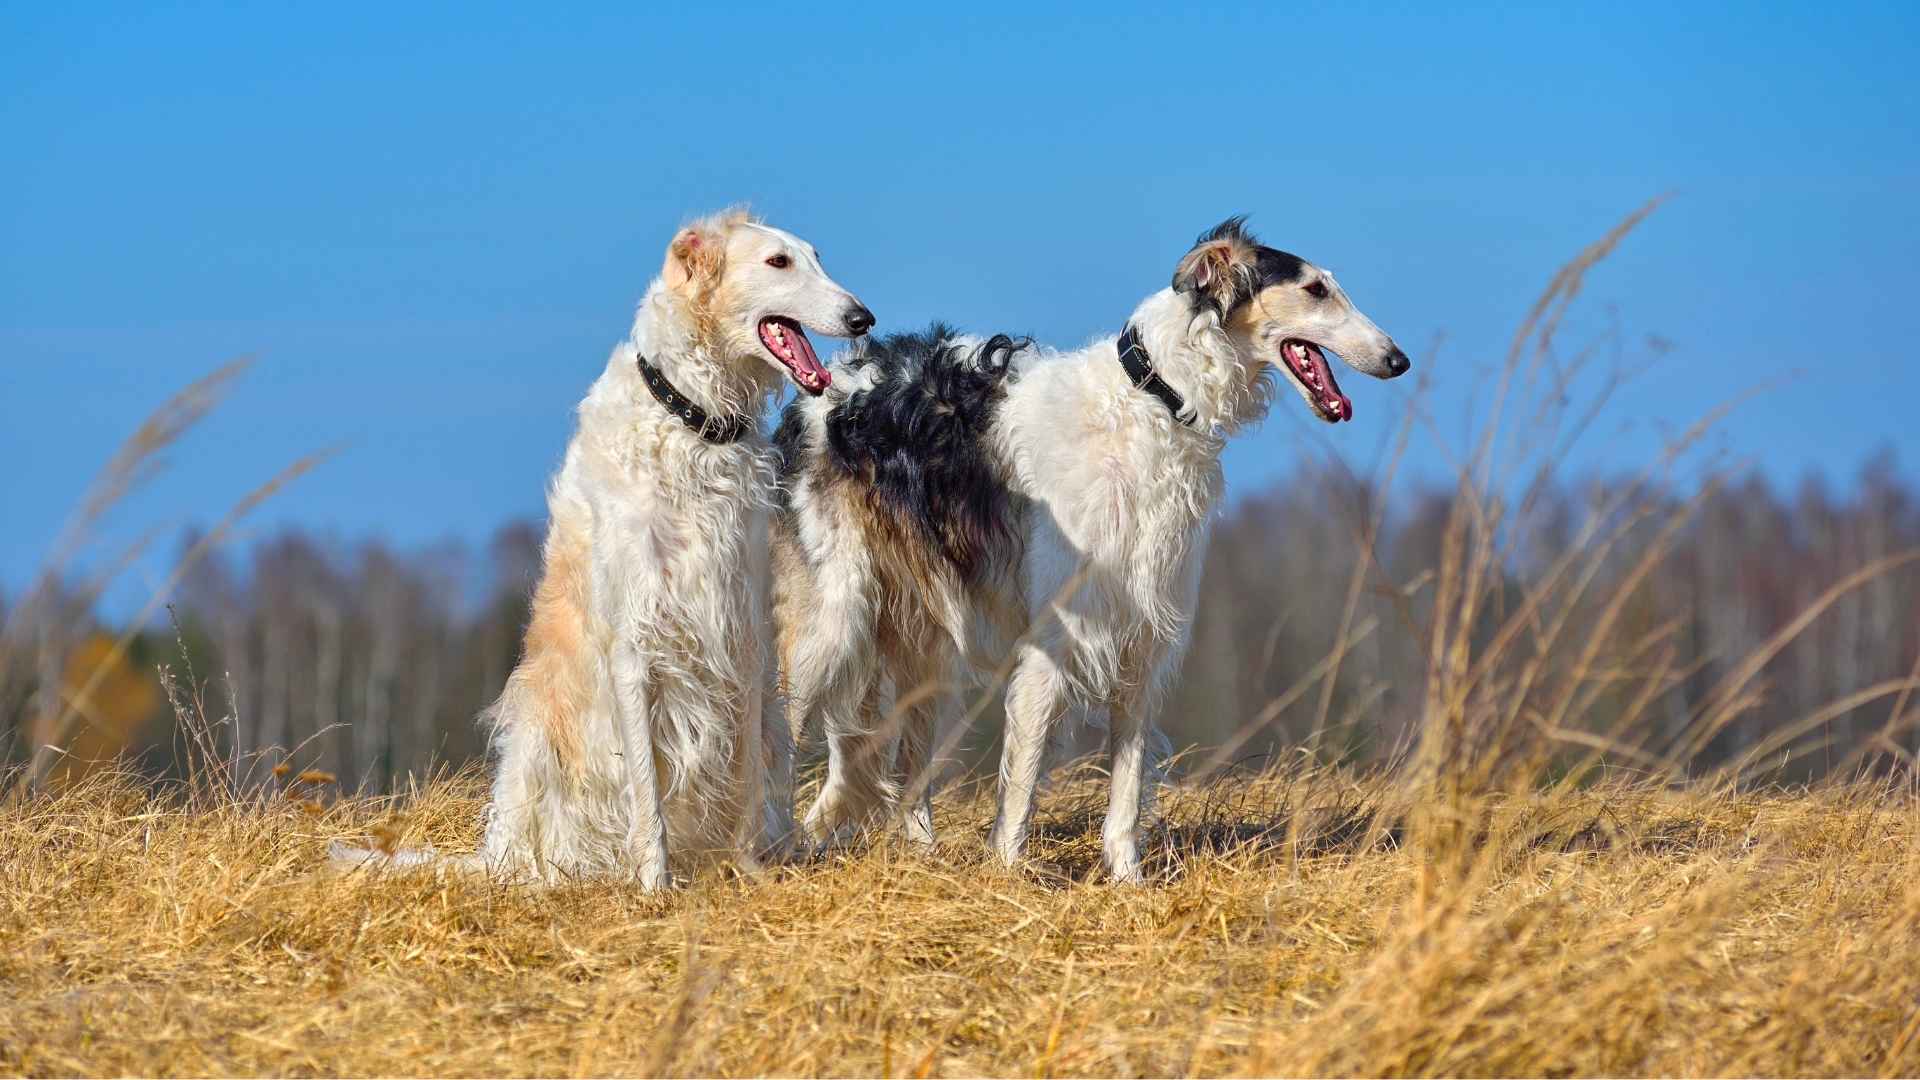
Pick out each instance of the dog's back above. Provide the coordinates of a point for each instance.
(913, 434)
(896, 543)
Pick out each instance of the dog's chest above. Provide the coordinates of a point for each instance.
(705, 546)
(683, 528)
(1133, 504)
(1128, 517)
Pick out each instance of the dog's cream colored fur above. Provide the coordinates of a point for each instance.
(634, 723)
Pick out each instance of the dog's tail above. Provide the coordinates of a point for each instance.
(917, 433)
(343, 857)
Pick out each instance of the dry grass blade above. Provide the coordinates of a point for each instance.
(137, 459)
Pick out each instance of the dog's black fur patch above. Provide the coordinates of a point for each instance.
(1234, 228)
(916, 441)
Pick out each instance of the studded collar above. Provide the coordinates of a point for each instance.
(1139, 368)
(716, 430)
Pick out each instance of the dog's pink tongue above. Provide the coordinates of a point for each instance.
(806, 360)
(1330, 395)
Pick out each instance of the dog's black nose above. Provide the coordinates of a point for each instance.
(1397, 363)
(859, 320)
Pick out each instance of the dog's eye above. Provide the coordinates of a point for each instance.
(779, 262)
(1317, 290)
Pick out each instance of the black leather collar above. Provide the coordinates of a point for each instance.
(1139, 367)
(718, 432)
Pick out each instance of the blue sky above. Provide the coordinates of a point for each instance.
(430, 223)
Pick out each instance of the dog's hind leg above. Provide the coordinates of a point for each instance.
(857, 785)
(830, 665)
(915, 758)
(919, 685)
(633, 717)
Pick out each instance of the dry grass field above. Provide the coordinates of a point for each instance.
(1301, 925)
(1577, 857)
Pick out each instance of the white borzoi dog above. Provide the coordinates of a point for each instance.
(950, 490)
(634, 722)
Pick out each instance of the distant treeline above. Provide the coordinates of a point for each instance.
(377, 662)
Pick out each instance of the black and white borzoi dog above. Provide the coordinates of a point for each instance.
(949, 491)
(634, 722)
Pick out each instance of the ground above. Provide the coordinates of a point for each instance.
(1307, 923)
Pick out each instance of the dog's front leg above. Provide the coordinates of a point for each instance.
(1035, 702)
(633, 716)
(750, 765)
(778, 833)
(1128, 728)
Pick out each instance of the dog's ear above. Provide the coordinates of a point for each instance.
(695, 257)
(1216, 272)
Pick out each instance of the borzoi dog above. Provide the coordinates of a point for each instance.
(634, 722)
(950, 490)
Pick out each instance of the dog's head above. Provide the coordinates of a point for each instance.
(754, 290)
(1282, 311)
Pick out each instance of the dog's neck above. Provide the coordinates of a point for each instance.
(1222, 389)
(702, 368)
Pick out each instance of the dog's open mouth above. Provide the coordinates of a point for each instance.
(1308, 366)
(789, 345)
